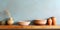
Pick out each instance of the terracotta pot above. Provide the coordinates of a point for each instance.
(49, 21)
(40, 22)
(24, 23)
(53, 20)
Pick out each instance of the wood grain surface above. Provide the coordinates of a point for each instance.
(28, 27)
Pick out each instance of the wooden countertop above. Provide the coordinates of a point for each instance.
(28, 27)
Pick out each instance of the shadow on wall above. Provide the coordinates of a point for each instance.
(3, 15)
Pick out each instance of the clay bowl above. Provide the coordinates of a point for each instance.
(40, 22)
(24, 23)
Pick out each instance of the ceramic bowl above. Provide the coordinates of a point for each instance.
(40, 22)
(24, 23)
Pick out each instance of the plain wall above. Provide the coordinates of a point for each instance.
(31, 9)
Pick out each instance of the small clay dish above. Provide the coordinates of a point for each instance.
(40, 22)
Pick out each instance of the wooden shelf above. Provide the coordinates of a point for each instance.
(28, 27)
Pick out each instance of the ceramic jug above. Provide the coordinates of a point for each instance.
(10, 21)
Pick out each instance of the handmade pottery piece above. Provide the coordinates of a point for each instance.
(49, 21)
(40, 22)
(53, 20)
(24, 23)
(10, 21)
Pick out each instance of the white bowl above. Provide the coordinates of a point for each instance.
(24, 23)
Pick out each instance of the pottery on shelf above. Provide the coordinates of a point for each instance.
(49, 21)
(40, 22)
(24, 23)
(53, 20)
(10, 21)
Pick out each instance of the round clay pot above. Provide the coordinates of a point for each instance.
(49, 21)
(53, 20)
(40, 22)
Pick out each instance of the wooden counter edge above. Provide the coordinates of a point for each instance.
(28, 27)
